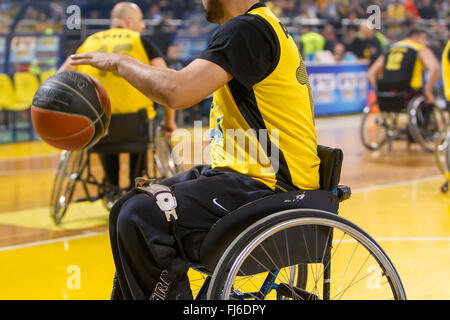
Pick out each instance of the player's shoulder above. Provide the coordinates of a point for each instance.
(245, 23)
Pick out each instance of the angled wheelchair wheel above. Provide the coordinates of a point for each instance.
(69, 170)
(343, 261)
(164, 157)
(373, 131)
(425, 124)
(443, 155)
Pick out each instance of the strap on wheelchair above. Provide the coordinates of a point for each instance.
(166, 201)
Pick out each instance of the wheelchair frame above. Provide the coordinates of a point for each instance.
(221, 262)
(387, 121)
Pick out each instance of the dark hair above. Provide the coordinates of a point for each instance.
(417, 32)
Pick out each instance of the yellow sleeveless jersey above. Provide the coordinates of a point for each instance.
(123, 96)
(403, 64)
(275, 140)
(446, 70)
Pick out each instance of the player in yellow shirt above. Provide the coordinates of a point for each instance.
(124, 36)
(402, 67)
(446, 73)
(263, 140)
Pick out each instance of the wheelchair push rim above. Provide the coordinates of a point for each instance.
(443, 151)
(64, 186)
(374, 133)
(378, 280)
(426, 137)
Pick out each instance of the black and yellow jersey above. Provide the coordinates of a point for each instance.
(124, 97)
(446, 70)
(402, 64)
(262, 121)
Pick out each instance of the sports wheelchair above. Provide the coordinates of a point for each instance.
(401, 115)
(294, 246)
(443, 156)
(129, 133)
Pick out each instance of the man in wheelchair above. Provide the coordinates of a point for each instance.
(263, 143)
(402, 72)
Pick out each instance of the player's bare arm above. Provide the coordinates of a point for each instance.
(175, 89)
(432, 65)
(375, 71)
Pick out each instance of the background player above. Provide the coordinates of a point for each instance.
(402, 67)
(124, 37)
(446, 73)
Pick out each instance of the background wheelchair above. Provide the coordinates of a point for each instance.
(443, 156)
(294, 246)
(130, 133)
(401, 115)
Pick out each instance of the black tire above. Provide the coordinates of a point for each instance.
(68, 173)
(426, 137)
(250, 239)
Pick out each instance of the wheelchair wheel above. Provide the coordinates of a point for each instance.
(344, 262)
(443, 155)
(373, 128)
(165, 160)
(69, 170)
(425, 126)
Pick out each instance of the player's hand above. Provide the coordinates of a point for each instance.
(103, 61)
(429, 97)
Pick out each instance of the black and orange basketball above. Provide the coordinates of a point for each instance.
(71, 111)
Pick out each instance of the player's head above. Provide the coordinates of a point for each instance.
(217, 10)
(419, 36)
(214, 10)
(127, 15)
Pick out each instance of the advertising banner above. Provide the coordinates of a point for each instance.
(339, 89)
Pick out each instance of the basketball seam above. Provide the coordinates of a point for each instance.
(72, 135)
(87, 101)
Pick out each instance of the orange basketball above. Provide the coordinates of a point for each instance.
(71, 111)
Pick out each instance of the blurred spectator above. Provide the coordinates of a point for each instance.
(411, 10)
(366, 45)
(330, 37)
(308, 9)
(311, 42)
(427, 10)
(339, 53)
(331, 13)
(396, 11)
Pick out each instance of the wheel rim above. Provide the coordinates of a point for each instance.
(67, 175)
(429, 135)
(443, 151)
(386, 270)
(373, 129)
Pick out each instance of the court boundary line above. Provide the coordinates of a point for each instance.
(88, 234)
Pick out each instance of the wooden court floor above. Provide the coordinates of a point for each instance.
(396, 199)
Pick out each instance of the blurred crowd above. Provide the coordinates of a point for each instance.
(341, 31)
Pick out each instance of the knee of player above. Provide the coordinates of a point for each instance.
(137, 212)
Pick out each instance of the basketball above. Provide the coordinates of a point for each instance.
(71, 111)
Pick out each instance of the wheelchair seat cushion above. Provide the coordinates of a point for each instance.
(223, 233)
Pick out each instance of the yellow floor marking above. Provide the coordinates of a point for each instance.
(79, 216)
(26, 149)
